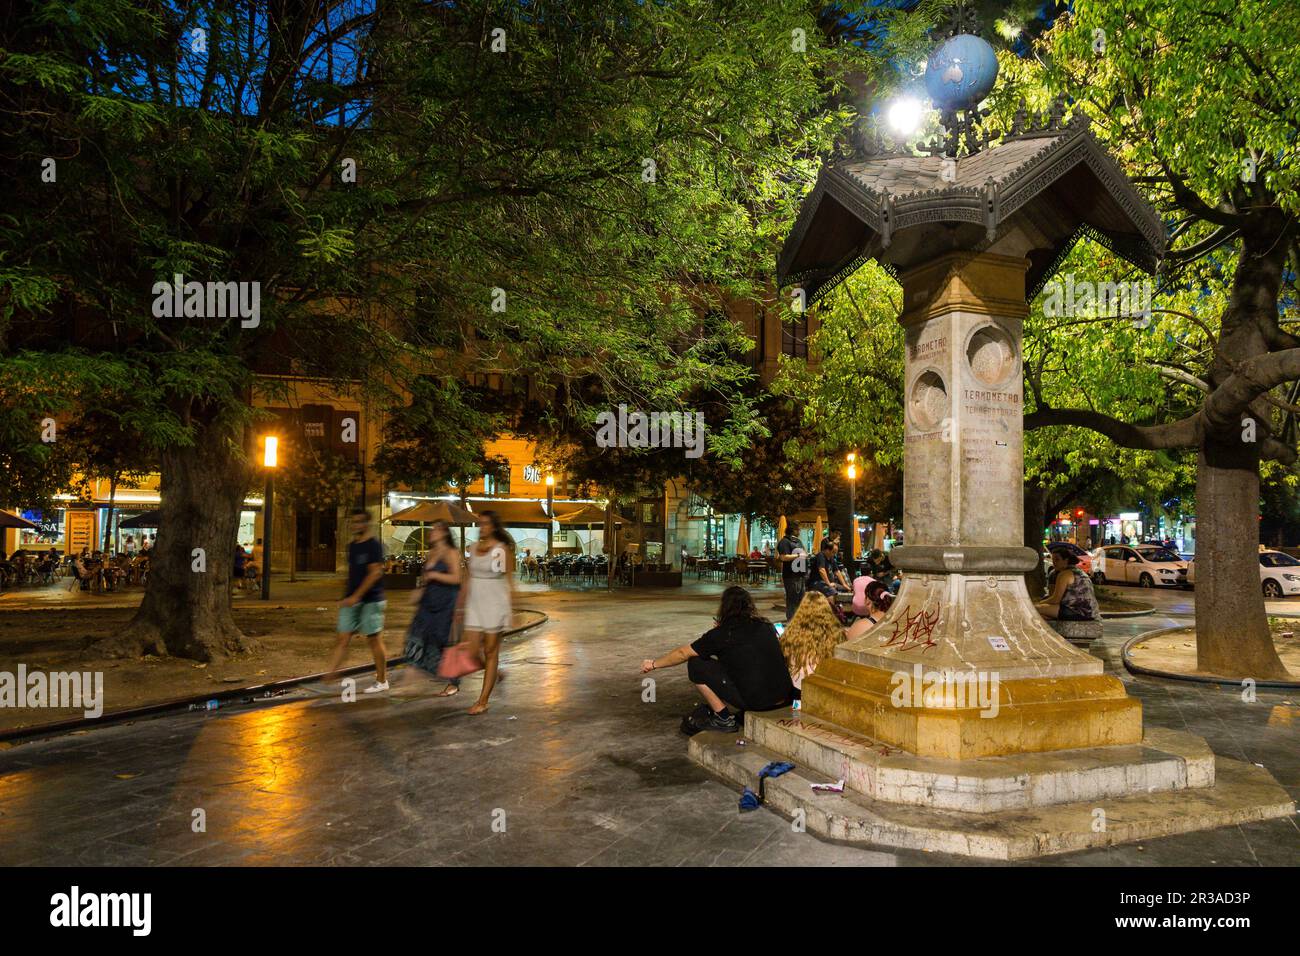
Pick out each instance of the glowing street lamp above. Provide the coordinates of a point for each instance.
(550, 512)
(853, 508)
(270, 461)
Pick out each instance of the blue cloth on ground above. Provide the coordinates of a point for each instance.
(774, 769)
(748, 800)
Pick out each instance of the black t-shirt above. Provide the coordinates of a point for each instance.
(815, 568)
(790, 544)
(362, 554)
(751, 653)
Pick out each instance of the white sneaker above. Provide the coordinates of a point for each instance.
(377, 688)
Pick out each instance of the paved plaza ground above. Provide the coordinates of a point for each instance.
(569, 758)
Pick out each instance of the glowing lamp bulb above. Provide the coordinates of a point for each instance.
(905, 115)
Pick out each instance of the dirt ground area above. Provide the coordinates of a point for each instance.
(295, 642)
(1175, 652)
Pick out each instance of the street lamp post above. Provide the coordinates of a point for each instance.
(270, 458)
(853, 517)
(550, 512)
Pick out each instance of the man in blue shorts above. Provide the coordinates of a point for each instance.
(362, 609)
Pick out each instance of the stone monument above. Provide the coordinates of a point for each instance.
(963, 722)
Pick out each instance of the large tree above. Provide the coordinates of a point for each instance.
(532, 190)
(1198, 100)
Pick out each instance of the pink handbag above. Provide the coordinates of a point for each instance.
(459, 660)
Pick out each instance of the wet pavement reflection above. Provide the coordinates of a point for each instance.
(570, 766)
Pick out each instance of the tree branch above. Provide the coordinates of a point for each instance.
(1184, 433)
(1192, 202)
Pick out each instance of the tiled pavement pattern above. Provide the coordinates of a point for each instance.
(578, 767)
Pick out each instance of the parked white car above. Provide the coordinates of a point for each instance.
(1279, 574)
(1146, 565)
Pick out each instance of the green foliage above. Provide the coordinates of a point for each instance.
(1202, 83)
(525, 171)
(439, 436)
(772, 480)
(314, 479)
(851, 390)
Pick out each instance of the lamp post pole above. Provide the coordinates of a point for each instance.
(269, 460)
(550, 512)
(853, 507)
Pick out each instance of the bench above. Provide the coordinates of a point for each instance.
(1078, 632)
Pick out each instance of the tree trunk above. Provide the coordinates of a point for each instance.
(1035, 508)
(1232, 634)
(838, 516)
(186, 608)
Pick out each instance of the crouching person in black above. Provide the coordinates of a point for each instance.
(736, 666)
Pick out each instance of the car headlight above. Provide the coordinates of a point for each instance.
(1166, 571)
(1292, 577)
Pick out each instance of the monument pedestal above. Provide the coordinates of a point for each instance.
(1003, 808)
(1025, 716)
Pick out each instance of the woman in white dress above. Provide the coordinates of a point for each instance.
(489, 591)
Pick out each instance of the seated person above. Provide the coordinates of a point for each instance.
(737, 664)
(81, 572)
(871, 601)
(821, 571)
(1071, 597)
(810, 637)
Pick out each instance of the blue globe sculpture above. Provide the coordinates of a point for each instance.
(961, 72)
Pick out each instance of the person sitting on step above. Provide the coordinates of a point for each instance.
(1072, 597)
(737, 664)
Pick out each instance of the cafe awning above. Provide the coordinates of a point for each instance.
(585, 514)
(515, 512)
(147, 519)
(8, 520)
(441, 510)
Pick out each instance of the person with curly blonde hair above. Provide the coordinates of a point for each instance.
(811, 636)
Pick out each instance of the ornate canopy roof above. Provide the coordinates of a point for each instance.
(1056, 185)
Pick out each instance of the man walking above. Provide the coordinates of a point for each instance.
(794, 567)
(362, 609)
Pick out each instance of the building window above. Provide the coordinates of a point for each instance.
(794, 337)
(498, 484)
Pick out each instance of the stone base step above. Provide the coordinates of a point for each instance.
(1079, 633)
(1165, 760)
(1241, 793)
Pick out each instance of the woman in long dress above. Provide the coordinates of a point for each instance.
(437, 597)
(489, 598)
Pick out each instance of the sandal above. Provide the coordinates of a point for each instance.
(450, 690)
